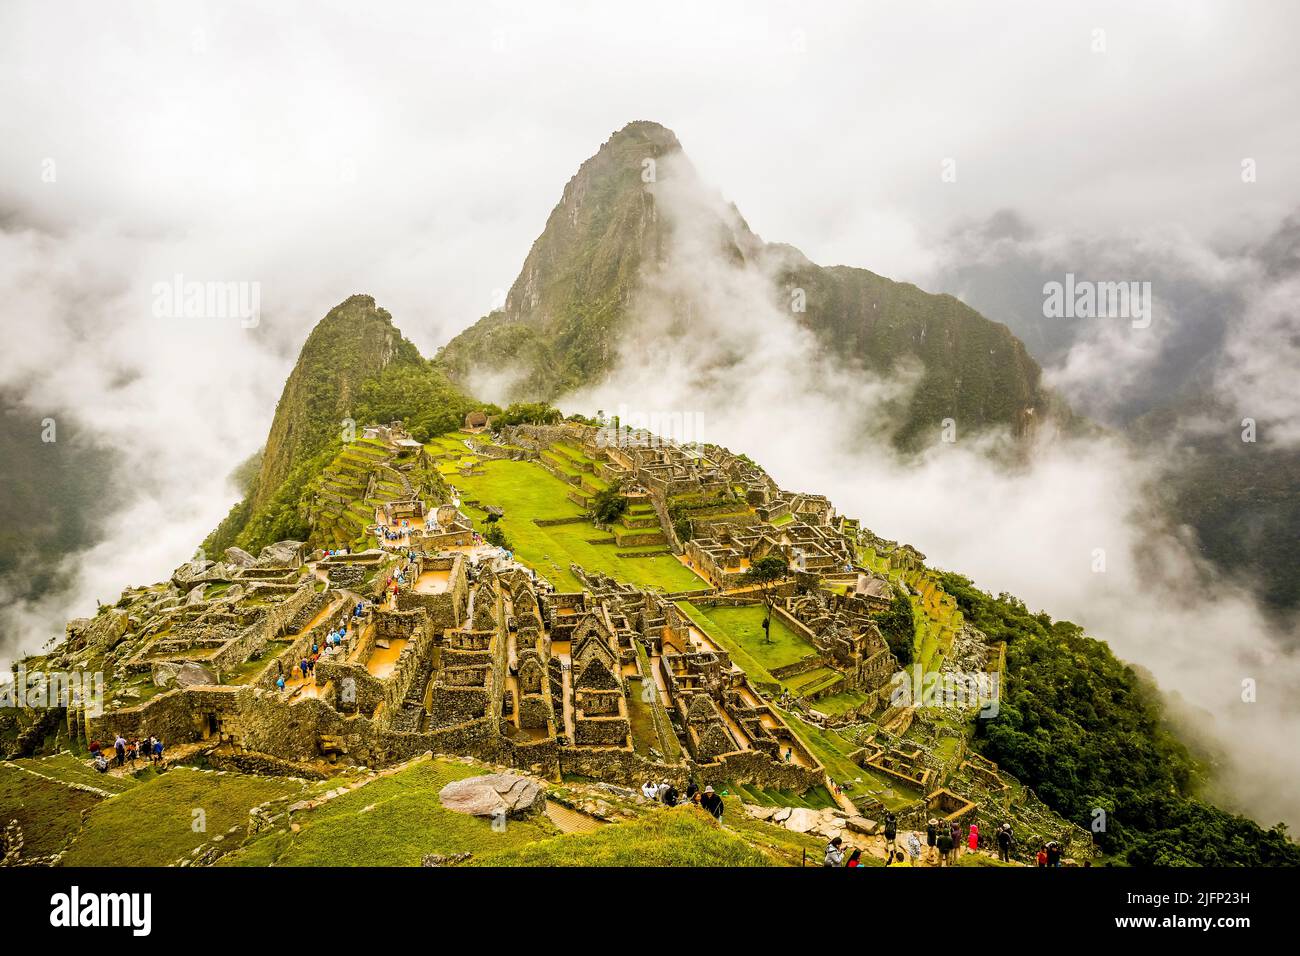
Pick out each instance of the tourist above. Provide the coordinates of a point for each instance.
(302, 665)
(279, 682)
(692, 791)
(973, 841)
(158, 751)
(669, 795)
(834, 853)
(891, 830)
(945, 846)
(789, 752)
(119, 748)
(711, 802)
(931, 838)
(954, 830)
(1041, 858)
(855, 858)
(94, 748)
(650, 790)
(1004, 843)
(1053, 854)
(914, 847)
(132, 749)
(101, 764)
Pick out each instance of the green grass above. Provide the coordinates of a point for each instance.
(832, 752)
(741, 635)
(677, 837)
(152, 824)
(68, 768)
(641, 713)
(840, 703)
(809, 682)
(525, 490)
(393, 821)
(817, 798)
(49, 813)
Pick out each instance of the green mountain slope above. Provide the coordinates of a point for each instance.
(355, 365)
(562, 321)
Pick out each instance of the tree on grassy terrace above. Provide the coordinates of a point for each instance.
(530, 413)
(608, 504)
(766, 573)
(496, 535)
(898, 628)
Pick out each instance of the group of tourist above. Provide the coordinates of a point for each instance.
(1049, 854)
(943, 842)
(126, 752)
(707, 799)
(334, 641)
(835, 857)
(394, 534)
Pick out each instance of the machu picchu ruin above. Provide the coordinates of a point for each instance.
(571, 651)
(458, 616)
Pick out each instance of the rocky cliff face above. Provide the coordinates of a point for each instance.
(559, 326)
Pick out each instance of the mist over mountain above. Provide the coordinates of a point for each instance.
(567, 319)
(1218, 352)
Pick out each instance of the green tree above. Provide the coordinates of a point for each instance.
(608, 504)
(898, 627)
(767, 573)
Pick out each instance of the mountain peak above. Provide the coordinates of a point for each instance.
(645, 131)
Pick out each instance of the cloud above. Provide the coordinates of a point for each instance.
(760, 386)
(413, 153)
(1257, 376)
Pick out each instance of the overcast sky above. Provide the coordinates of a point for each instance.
(413, 152)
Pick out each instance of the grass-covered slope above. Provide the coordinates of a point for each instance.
(160, 821)
(681, 836)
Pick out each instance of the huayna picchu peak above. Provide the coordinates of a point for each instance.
(573, 306)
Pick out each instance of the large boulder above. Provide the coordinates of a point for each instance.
(193, 675)
(239, 558)
(193, 573)
(802, 820)
(164, 673)
(493, 794)
(282, 554)
(99, 633)
(862, 825)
